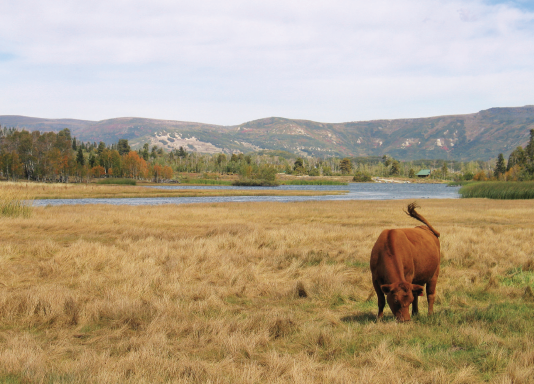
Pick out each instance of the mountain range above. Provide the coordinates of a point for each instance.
(476, 136)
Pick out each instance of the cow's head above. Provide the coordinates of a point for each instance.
(400, 296)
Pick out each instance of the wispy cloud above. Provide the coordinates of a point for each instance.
(226, 62)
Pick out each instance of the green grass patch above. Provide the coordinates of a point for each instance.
(500, 318)
(499, 190)
(117, 181)
(357, 264)
(516, 277)
(11, 379)
(313, 182)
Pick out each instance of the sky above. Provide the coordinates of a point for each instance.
(232, 61)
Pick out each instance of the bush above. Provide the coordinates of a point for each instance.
(253, 175)
(362, 177)
(468, 176)
(314, 172)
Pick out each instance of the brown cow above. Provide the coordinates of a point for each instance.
(402, 262)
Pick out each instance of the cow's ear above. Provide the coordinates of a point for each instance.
(386, 288)
(417, 290)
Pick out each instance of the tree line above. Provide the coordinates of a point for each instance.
(59, 157)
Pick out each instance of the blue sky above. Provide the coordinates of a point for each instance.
(233, 61)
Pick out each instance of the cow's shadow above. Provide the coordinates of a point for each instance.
(361, 317)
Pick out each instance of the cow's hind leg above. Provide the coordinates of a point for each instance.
(381, 299)
(431, 292)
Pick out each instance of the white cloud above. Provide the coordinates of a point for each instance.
(226, 62)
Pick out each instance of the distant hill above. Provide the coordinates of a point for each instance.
(476, 136)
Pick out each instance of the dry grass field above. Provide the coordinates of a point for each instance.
(260, 293)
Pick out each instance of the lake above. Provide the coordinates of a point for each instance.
(355, 191)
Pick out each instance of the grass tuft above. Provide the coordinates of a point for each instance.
(14, 204)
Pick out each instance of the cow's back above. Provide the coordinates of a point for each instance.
(424, 252)
(416, 251)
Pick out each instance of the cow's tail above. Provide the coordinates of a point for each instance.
(412, 213)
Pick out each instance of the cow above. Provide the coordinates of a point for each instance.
(402, 261)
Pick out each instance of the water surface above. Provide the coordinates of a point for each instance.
(354, 191)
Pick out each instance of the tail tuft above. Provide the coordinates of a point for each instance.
(413, 213)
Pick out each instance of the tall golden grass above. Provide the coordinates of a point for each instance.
(259, 292)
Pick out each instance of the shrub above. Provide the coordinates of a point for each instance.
(362, 177)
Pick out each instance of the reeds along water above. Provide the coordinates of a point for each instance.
(259, 293)
(507, 190)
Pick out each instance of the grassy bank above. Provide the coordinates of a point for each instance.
(265, 292)
(81, 191)
(507, 190)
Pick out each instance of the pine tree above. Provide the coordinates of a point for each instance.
(101, 147)
(529, 149)
(92, 160)
(123, 147)
(182, 153)
(144, 153)
(500, 168)
(79, 157)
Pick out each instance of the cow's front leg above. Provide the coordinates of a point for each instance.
(381, 299)
(415, 305)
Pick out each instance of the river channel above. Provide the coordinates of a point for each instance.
(353, 191)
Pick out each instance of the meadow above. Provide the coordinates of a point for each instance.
(260, 293)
